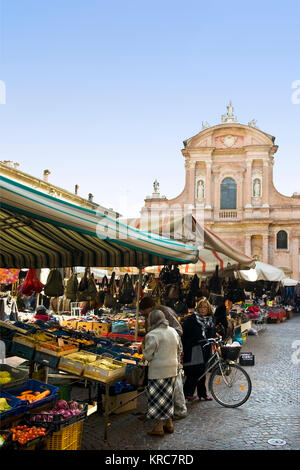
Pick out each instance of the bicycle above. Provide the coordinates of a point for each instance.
(229, 383)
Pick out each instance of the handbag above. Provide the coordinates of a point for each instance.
(54, 286)
(138, 376)
(127, 293)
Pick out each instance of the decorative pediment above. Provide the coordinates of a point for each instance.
(229, 135)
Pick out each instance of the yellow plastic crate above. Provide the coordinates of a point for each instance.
(68, 438)
(104, 328)
(70, 323)
(85, 325)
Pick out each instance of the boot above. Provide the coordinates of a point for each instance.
(158, 429)
(169, 426)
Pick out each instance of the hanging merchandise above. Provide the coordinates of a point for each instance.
(173, 292)
(215, 284)
(9, 276)
(72, 288)
(157, 293)
(164, 275)
(31, 284)
(104, 284)
(109, 299)
(126, 295)
(54, 286)
(141, 290)
(151, 284)
(87, 289)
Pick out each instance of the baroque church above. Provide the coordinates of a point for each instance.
(229, 174)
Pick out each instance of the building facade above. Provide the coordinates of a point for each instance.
(229, 174)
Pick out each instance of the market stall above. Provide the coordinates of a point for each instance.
(40, 231)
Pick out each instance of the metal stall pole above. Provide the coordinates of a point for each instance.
(137, 304)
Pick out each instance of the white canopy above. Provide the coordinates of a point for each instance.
(261, 272)
(288, 282)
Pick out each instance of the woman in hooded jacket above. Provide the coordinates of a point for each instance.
(162, 349)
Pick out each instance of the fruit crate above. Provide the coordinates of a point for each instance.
(57, 422)
(18, 406)
(42, 347)
(85, 325)
(72, 365)
(68, 438)
(36, 443)
(36, 386)
(115, 403)
(96, 372)
(20, 349)
(18, 376)
(70, 323)
(102, 327)
(46, 359)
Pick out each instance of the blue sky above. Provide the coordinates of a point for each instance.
(103, 93)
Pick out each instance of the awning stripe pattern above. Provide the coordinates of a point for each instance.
(38, 230)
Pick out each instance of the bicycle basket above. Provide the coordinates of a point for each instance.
(230, 353)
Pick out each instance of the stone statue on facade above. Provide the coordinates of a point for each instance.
(200, 189)
(253, 123)
(156, 186)
(256, 188)
(229, 116)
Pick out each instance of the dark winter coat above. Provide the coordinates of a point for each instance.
(195, 332)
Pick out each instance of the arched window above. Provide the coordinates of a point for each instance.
(228, 194)
(282, 240)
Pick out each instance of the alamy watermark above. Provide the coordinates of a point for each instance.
(2, 92)
(295, 98)
(172, 222)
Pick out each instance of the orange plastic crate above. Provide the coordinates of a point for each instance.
(68, 438)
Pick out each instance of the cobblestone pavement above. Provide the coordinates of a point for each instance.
(272, 410)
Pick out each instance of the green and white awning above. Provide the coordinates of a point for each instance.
(41, 231)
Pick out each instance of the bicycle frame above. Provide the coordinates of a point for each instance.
(214, 359)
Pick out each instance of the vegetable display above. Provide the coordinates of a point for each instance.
(4, 406)
(5, 377)
(31, 396)
(62, 408)
(24, 434)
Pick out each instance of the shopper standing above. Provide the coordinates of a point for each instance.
(197, 328)
(146, 306)
(162, 347)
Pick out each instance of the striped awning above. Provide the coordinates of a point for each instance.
(41, 231)
(213, 250)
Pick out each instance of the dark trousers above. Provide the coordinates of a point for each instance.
(192, 374)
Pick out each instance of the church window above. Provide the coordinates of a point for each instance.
(228, 194)
(282, 240)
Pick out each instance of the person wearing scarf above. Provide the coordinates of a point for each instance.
(162, 349)
(196, 351)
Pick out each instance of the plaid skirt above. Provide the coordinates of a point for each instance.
(160, 393)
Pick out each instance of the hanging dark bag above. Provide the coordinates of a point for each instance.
(127, 293)
(138, 376)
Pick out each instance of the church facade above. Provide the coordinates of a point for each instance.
(229, 174)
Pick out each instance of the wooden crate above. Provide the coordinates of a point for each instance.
(117, 400)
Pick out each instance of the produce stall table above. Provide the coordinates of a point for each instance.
(49, 361)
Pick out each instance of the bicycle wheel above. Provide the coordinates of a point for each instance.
(229, 384)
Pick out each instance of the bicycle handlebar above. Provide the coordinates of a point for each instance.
(215, 340)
